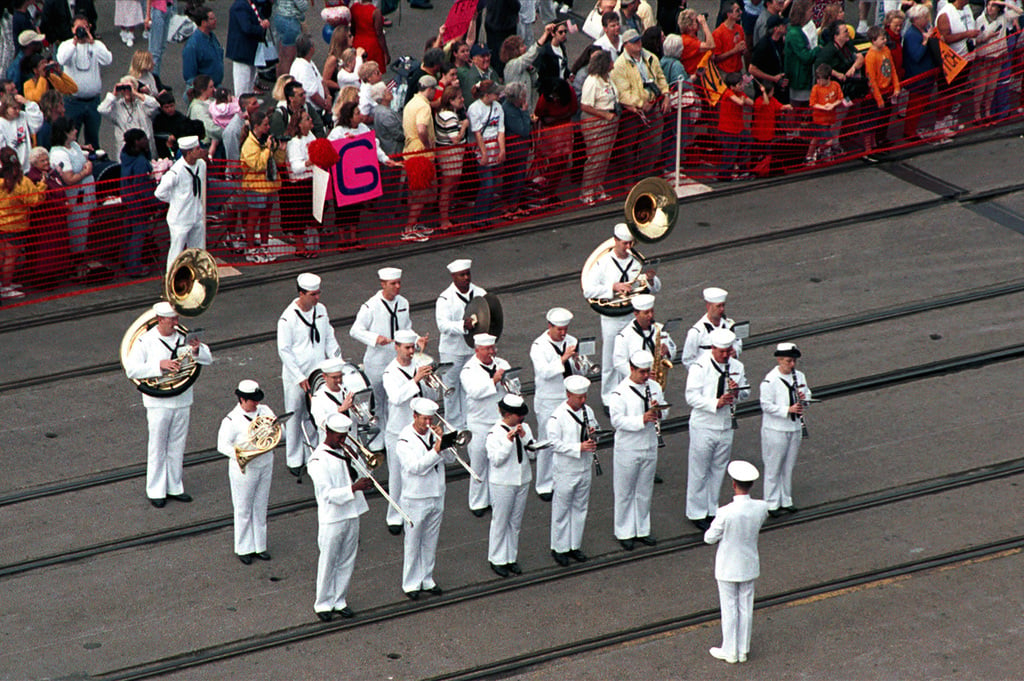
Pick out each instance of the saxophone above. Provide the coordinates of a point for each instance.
(660, 369)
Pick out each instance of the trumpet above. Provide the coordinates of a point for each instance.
(432, 380)
(363, 460)
(461, 439)
(511, 382)
(582, 365)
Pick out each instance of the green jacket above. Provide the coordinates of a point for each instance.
(798, 59)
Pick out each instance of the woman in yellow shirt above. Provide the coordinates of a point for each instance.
(259, 156)
(46, 74)
(17, 193)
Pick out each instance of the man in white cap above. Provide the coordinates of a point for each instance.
(423, 486)
(157, 352)
(640, 335)
(403, 383)
(783, 394)
(305, 338)
(634, 413)
(450, 311)
(737, 564)
(508, 478)
(713, 386)
(611, 277)
(570, 429)
(183, 189)
(482, 380)
(339, 500)
(552, 354)
(697, 337)
(332, 397)
(250, 488)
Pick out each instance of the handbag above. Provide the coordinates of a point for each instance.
(179, 28)
(592, 26)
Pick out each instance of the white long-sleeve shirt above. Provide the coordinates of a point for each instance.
(234, 428)
(482, 393)
(17, 134)
(566, 432)
(697, 338)
(609, 270)
(507, 468)
(144, 362)
(401, 389)
(139, 114)
(775, 399)
(626, 405)
(702, 391)
(335, 500)
(380, 317)
(449, 312)
(82, 63)
(548, 370)
(299, 348)
(298, 153)
(632, 338)
(177, 189)
(422, 467)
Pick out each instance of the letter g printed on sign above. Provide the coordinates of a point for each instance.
(356, 175)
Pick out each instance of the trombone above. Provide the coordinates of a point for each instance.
(461, 439)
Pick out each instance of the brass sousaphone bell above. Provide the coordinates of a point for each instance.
(485, 316)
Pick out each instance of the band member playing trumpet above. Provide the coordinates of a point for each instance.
(640, 335)
(339, 500)
(250, 488)
(633, 406)
(331, 397)
(509, 480)
(570, 429)
(783, 394)
(402, 384)
(611, 277)
(305, 338)
(482, 380)
(423, 486)
(697, 337)
(450, 312)
(552, 355)
(713, 385)
(157, 352)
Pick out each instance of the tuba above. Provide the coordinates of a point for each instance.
(662, 365)
(264, 434)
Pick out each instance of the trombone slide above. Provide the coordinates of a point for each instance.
(358, 464)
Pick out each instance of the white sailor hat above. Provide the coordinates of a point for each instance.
(787, 350)
(722, 338)
(308, 281)
(482, 340)
(460, 265)
(250, 390)
(713, 294)
(189, 142)
(405, 336)
(642, 359)
(559, 316)
(622, 232)
(421, 405)
(332, 365)
(338, 423)
(577, 385)
(513, 404)
(164, 309)
(644, 301)
(389, 273)
(742, 471)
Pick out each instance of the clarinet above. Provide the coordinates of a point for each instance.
(796, 389)
(586, 434)
(732, 405)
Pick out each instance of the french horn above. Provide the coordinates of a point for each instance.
(264, 433)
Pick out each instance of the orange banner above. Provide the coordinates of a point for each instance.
(711, 79)
(952, 63)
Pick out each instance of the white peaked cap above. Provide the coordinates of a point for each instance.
(642, 359)
(389, 273)
(559, 316)
(422, 405)
(460, 265)
(643, 301)
(164, 309)
(308, 281)
(186, 143)
(332, 365)
(481, 340)
(577, 385)
(713, 294)
(338, 423)
(722, 338)
(406, 336)
(742, 471)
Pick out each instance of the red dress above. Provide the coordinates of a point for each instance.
(364, 35)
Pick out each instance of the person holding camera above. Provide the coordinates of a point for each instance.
(82, 57)
(261, 152)
(128, 108)
(46, 74)
(19, 119)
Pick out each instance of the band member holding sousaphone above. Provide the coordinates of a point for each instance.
(641, 334)
(697, 337)
(250, 486)
(784, 392)
(482, 380)
(305, 338)
(331, 397)
(161, 351)
(508, 455)
(450, 313)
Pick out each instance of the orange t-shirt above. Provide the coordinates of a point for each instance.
(825, 95)
(763, 125)
(725, 40)
(691, 54)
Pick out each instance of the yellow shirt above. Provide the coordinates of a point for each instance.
(417, 112)
(14, 205)
(255, 158)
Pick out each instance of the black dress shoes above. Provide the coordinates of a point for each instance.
(478, 512)
(246, 559)
(776, 512)
(626, 544)
(703, 524)
(544, 496)
(395, 529)
(412, 595)
(647, 541)
(657, 479)
(790, 509)
(159, 503)
(183, 498)
(514, 568)
(560, 558)
(295, 470)
(577, 556)
(325, 616)
(500, 570)
(436, 590)
(346, 612)
(262, 555)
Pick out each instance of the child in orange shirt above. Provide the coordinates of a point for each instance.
(766, 108)
(826, 96)
(885, 85)
(731, 127)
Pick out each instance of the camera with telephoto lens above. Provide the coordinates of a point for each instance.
(81, 33)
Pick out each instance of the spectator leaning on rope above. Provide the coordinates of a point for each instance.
(17, 195)
(260, 155)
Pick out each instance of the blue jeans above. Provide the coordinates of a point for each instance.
(158, 34)
(287, 29)
(83, 112)
(487, 194)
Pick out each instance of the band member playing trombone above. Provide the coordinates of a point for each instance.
(402, 384)
(633, 405)
(552, 355)
(305, 338)
(509, 480)
(482, 380)
(340, 502)
(250, 487)
(697, 337)
(783, 393)
(713, 385)
(331, 397)
(157, 352)
(423, 486)
(640, 335)
(450, 312)
(610, 277)
(570, 429)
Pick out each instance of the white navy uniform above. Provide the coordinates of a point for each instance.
(780, 434)
(737, 565)
(482, 397)
(401, 390)
(710, 432)
(250, 490)
(324, 403)
(606, 271)
(572, 475)
(183, 189)
(423, 487)
(450, 311)
(697, 339)
(304, 339)
(378, 317)
(635, 456)
(549, 373)
(509, 479)
(338, 511)
(631, 339)
(167, 417)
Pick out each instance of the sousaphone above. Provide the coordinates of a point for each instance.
(485, 316)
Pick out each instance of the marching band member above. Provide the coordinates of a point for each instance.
(340, 502)
(183, 188)
(331, 397)
(697, 337)
(157, 352)
(509, 481)
(713, 384)
(402, 384)
(305, 338)
(250, 488)
(634, 414)
(610, 276)
(783, 392)
(570, 430)
(481, 379)
(423, 486)
(639, 335)
(450, 312)
(551, 354)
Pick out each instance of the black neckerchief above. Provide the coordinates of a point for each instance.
(314, 333)
(178, 342)
(648, 340)
(393, 314)
(642, 396)
(419, 388)
(791, 388)
(566, 368)
(519, 442)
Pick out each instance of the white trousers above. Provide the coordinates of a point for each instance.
(633, 485)
(708, 457)
(243, 76)
(166, 453)
(250, 496)
(193, 237)
(737, 601)
(610, 327)
(394, 477)
(508, 503)
(455, 404)
(375, 374)
(479, 493)
(295, 450)
(421, 542)
(569, 503)
(779, 449)
(544, 409)
(338, 544)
